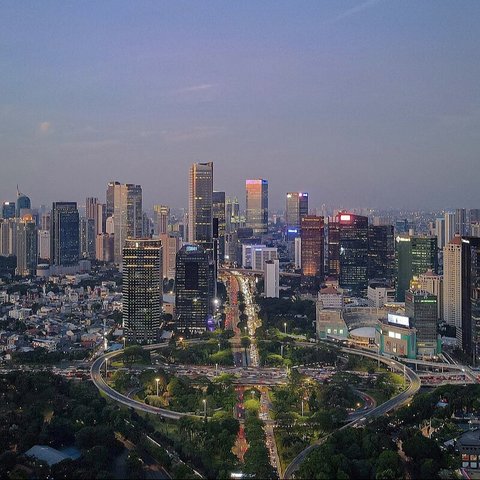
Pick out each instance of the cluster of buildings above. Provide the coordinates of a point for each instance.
(375, 259)
(67, 318)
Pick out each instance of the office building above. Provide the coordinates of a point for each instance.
(432, 283)
(27, 246)
(379, 294)
(110, 199)
(312, 248)
(298, 253)
(440, 232)
(381, 252)
(194, 289)
(232, 215)
(8, 210)
(296, 208)
(254, 256)
(171, 244)
(23, 203)
(96, 212)
(142, 290)
(257, 205)
(449, 227)
(461, 221)
(8, 237)
(200, 205)
(87, 238)
(473, 218)
(475, 229)
(44, 245)
(127, 214)
(219, 223)
(64, 234)
(421, 309)
(161, 219)
(414, 256)
(461, 287)
(272, 278)
(91, 207)
(349, 247)
(105, 247)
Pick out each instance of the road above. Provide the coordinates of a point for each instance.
(393, 403)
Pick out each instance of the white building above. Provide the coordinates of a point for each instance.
(272, 278)
(378, 295)
(44, 244)
(255, 256)
(331, 298)
(449, 227)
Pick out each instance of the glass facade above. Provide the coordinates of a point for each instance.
(257, 205)
(64, 234)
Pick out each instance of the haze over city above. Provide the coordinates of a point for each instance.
(372, 103)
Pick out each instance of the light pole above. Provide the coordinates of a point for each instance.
(205, 407)
(285, 327)
(218, 346)
(106, 368)
(302, 407)
(404, 376)
(216, 369)
(157, 380)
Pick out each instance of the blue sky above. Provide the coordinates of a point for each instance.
(367, 103)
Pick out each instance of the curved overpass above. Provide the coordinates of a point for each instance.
(95, 373)
(382, 409)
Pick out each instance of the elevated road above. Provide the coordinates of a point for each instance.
(95, 373)
(382, 409)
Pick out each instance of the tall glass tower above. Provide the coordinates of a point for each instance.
(65, 234)
(257, 205)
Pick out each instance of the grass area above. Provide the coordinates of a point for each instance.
(378, 395)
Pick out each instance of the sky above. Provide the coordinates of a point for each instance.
(368, 103)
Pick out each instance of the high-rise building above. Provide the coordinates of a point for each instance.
(44, 245)
(298, 253)
(8, 210)
(475, 229)
(272, 278)
(64, 234)
(257, 205)
(461, 221)
(232, 215)
(91, 208)
(348, 251)
(414, 256)
(161, 219)
(194, 289)
(461, 287)
(87, 238)
(8, 237)
(104, 248)
(474, 217)
(381, 252)
(421, 308)
(110, 199)
(440, 232)
(127, 214)
(449, 227)
(254, 256)
(27, 247)
(200, 205)
(171, 244)
(432, 283)
(23, 203)
(142, 290)
(219, 223)
(296, 208)
(312, 247)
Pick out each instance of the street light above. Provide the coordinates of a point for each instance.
(157, 380)
(285, 327)
(218, 346)
(106, 368)
(205, 407)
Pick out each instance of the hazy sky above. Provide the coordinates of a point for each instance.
(368, 103)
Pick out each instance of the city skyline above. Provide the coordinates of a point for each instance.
(358, 103)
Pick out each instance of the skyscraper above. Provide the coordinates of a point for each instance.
(272, 278)
(87, 238)
(461, 287)
(194, 289)
(23, 203)
(257, 205)
(200, 205)
(27, 246)
(348, 251)
(421, 308)
(296, 208)
(312, 248)
(127, 214)
(440, 232)
(219, 223)
(161, 218)
(449, 227)
(8, 210)
(414, 256)
(461, 221)
(64, 234)
(381, 252)
(142, 290)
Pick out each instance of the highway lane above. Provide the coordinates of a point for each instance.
(382, 409)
